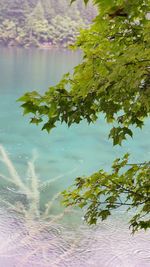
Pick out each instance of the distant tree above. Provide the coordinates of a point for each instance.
(37, 25)
(49, 10)
(65, 30)
(7, 31)
(38, 11)
(33, 20)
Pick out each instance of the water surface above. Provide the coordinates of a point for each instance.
(66, 153)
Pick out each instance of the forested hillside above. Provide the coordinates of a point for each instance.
(42, 22)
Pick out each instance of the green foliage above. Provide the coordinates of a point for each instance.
(113, 79)
(102, 193)
(42, 22)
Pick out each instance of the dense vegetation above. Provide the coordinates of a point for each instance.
(42, 22)
(113, 79)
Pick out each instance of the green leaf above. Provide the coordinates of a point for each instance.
(48, 126)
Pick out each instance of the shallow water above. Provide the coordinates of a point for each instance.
(60, 156)
(108, 244)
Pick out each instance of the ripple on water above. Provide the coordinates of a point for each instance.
(110, 244)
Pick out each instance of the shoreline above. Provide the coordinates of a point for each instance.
(43, 47)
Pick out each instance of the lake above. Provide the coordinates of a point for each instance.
(36, 158)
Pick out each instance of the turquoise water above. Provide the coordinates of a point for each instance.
(81, 148)
(66, 153)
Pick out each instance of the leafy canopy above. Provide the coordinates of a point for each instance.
(113, 79)
(102, 193)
